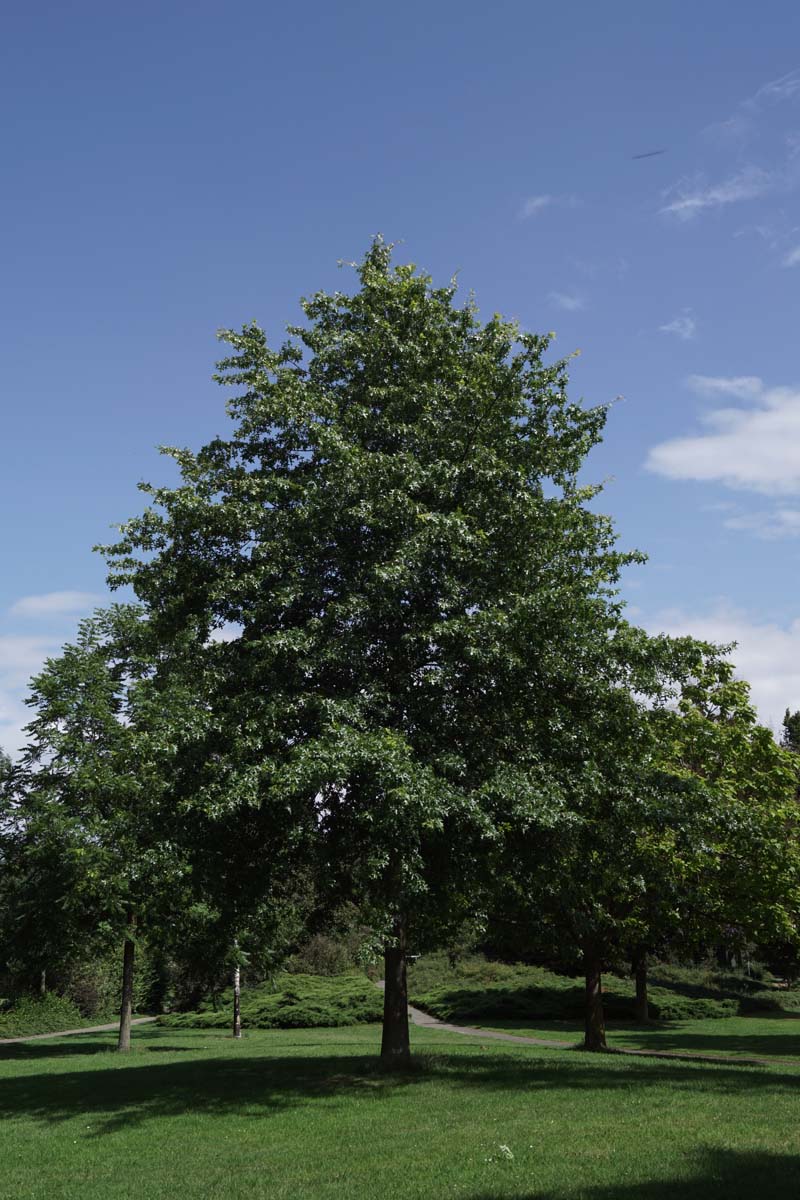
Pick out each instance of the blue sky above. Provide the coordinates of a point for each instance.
(171, 168)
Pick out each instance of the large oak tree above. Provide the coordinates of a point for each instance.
(402, 591)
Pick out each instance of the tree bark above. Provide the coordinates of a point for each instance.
(641, 1007)
(237, 1002)
(43, 983)
(126, 1008)
(595, 1035)
(395, 1044)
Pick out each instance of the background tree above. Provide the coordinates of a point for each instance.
(97, 854)
(674, 822)
(790, 736)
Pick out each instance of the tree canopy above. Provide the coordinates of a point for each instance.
(412, 595)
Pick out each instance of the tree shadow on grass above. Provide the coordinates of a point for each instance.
(136, 1090)
(717, 1175)
(755, 1045)
(670, 1036)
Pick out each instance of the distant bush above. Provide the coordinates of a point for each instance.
(708, 980)
(321, 955)
(39, 1014)
(292, 1002)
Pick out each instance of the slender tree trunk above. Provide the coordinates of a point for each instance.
(639, 968)
(126, 1009)
(595, 1036)
(237, 1002)
(395, 1045)
(43, 983)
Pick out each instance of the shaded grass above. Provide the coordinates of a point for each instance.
(310, 1113)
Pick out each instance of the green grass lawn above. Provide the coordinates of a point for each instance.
(308, 1113)
(740, 1037)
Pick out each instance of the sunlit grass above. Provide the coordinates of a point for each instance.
(309, 1113)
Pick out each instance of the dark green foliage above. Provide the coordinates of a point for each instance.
(554, 998)
(783, 959)
(321, 955)
(92, 984)
(790, 737)
(477, 990)
(39, 1014)
(293, 1002)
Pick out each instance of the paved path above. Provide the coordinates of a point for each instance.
(37, 1037)
(428, 1022)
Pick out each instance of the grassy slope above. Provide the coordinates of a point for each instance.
(308, 1113)
(476, 991)
(47, 1014)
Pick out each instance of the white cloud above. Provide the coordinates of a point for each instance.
(767, 655)
(792, 259)
(757, 449)
(570, 302)
(20, 658)
(52, 604)
(683, 326)
(694, 198)
(534, 205)
(743, 387)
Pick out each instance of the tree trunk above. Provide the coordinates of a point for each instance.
(395, 1045)
(595, 1036)
(237, 1002)
(43, 983)
(641, 1008)
(126, 1009)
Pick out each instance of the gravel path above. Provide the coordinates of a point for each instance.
(37, 1037)
(428, 1022)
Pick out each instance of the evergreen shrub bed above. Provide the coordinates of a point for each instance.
(40, 1014)
(292, 1002)
(477, 990)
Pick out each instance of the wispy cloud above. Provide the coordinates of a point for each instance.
(683, 326)
(743, 387)
(534, 205)
(568, 301)
(792, 259)
(754, 449)
(693, 198)
(765, 153)
(743, 123)
(777, 91)
(51, 604)
(769, 526)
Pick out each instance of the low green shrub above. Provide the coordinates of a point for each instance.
(292, 1002)
(709, 980)
(475, 990)
(39, 1014)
